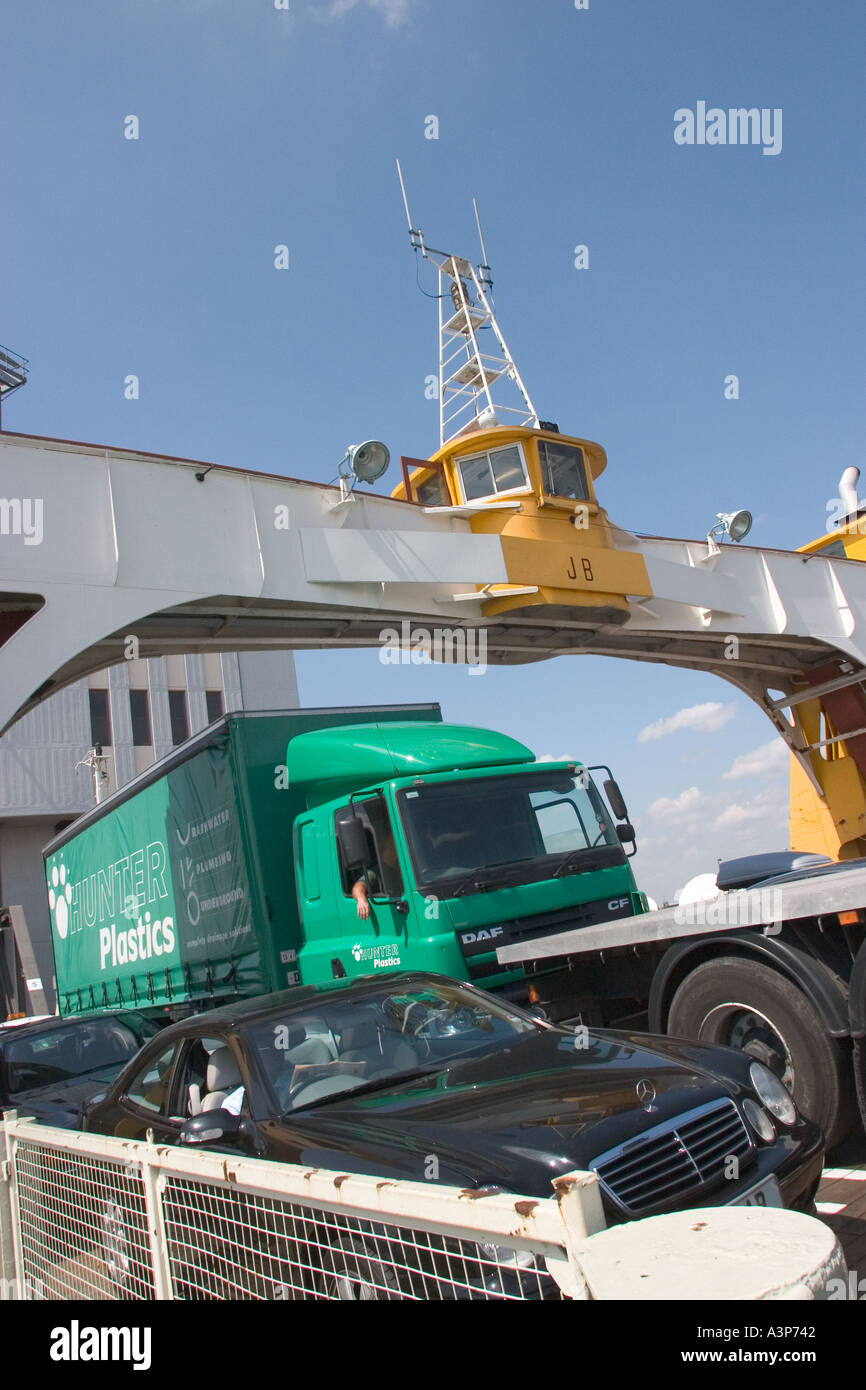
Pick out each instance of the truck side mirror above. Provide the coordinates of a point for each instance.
(352, 839)
(627, 835)
(615, 798)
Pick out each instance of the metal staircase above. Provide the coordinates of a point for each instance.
(13, 375)
(473, 354)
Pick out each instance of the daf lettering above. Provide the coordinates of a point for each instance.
(486, 934)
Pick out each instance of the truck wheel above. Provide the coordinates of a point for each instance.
(359, 1275)
(115, 1245)
(738, 1003)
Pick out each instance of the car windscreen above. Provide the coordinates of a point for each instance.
(520, 826)
(345, 1044)
(61, 1054)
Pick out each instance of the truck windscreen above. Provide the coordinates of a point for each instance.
(484, 832)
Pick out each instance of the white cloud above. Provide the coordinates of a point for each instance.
(739, 815)
(761, 762)
(393, 11)
(672, 806)
(687, 834)
(706, 718)
(767, 804)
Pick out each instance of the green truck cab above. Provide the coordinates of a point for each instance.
(302, 846)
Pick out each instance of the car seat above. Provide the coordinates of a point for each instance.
(223, 1076)
(311, 1052)
(367, 1042)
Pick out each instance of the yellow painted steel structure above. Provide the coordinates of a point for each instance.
(561, 554)
(834, 824)
(562, 549)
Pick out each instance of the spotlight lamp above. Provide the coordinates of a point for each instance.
(735, 525)
(361, 463)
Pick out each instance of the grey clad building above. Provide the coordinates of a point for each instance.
(137, 711)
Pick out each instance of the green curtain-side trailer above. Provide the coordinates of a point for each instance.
(180, 888)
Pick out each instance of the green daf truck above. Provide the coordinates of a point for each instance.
(228, 868)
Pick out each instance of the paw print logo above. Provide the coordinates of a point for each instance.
(357, 950)
(59, 898)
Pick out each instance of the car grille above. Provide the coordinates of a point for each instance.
(675, 1158)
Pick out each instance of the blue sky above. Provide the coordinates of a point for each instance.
(261, 126)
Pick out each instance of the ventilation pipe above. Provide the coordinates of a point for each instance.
(848, 493)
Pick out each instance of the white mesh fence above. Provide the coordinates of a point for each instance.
(83, 1225)
(88, 1217)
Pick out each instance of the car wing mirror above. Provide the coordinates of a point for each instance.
(211, 1127)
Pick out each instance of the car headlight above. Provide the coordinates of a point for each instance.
(759, 1120)
(773, 1094)
(506, 1256)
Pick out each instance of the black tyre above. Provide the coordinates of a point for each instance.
(358, 1274)
(739, 1003)
(115, 1246)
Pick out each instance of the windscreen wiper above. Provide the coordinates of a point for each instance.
(480, 878)
(569, 862)
(589, 858)
(374, 1084)
(440, 1065)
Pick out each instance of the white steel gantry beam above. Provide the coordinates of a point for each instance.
(100, 544)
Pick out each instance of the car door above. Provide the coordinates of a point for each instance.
(145, 1100)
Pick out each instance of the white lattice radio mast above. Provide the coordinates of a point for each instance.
(473, 354)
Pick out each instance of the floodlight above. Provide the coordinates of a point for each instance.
(361, 463)
(367, 461)
(735, 525)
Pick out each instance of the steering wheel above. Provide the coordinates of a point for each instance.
(327, 1085)
(446, 1021)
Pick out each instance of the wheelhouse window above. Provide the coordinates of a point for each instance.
(493, 472)
(563, 470)
(433, 492)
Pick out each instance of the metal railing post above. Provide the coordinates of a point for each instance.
(11, 1262)
(154, 1185)
(578, 1196)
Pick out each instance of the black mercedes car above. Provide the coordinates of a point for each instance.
(418, 1076)
(50, 1066)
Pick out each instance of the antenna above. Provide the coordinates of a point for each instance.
(484, 265)
(466, 372)
(416, 236)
